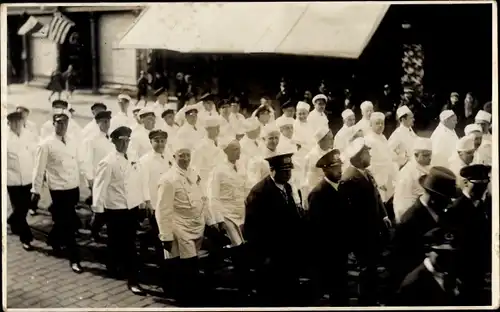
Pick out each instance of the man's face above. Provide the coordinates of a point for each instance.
(61, 126)
(478, 139)
(333, 173)
(484, 125)
(451, 122)
(225, 110)
(272, 140)
(183, 158)
(149, 122)
(307, 95)
(320, 105)
(213, 132)
(233, 151)
(264, 117)
(477, 188)
(466, 156)
(263, 101)
(350, 121)
(169, 119)
(289, 112)
(209, 105)
(367, 112)
(287, 131)
(235, 108)
(378, 125)
(104, 124)
(302, 115)
(453, 99)
(191, 118)
(438, 203)
(282, 176)
(121, 144)
(423, 158)
(254, 134)
(159, 144)
(408, 120)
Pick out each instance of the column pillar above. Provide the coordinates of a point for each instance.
(93, 50)
(25, 56)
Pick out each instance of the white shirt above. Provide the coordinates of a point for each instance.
(226, 128)
(20, 158)
(236, 120)
(122, 120)
(258, 167)
(74, 129)
(287, 145)
(95, 148)
(188, 132)
(227, 190)
(304, 134)
(139, 141)
(117, 183)
(316, 120)
(407, 188)
(32, 131)
(90, 129)
(153, 165)
(61, 163)
(364, 125)
(444, 143)
(401, 143)
(341, 139)
(204, 158)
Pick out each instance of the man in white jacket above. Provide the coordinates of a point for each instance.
(463, 157)
(407, 187)
(483, 119)
(382, 166)
(123, 117)
(341, 139)
(402, 139)
(444, 139)
(366, 111)
(258, 167)
(250, 143)
(303, 131)
(91, 127)
(317, 117)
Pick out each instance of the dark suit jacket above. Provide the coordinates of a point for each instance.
(421, 289)
(273, 227)
(408, 245)
(365, 206)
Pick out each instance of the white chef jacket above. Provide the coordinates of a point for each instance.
(258, 167)
(181, 210)
(60, 163)
(363, 125)
(316, 120)
(20, 158)
(95, 148)
(455, 165)
(304, 134)
(226, 128)
(407, 188)
(341, 139)
(139, 141)
(153, 165)
(236, 120)
(382, 166)
(90, 129)
(401, 143)
(204, 158)
(287, 145)
(122, 120)
(117, 183)
(32, 131)
(444, 143)
(227, 190)
(311, 174)
(484, 151)
(74, 129)
(188, 132)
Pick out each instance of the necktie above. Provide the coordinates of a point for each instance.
(107, 137)
(256, 144)
(125, 155)
(63, 140)
(195, 128)
(235, 169)
(215, 142)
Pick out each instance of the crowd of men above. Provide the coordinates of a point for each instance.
(291, 198)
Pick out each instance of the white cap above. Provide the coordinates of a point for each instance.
(124, 96)
(365, 105)
(146, 110)
(483, 116)
(472, 128)
(284, 121)
(377, 116)
(355, 147)
(321, 133)
(319, 97)
(225, 141)
(403, 110)
(422, 144)
(446, 114)
(465, 144)
(211, 121)
(251, 124)
(303, 106)
(270, 128)
(347, 113)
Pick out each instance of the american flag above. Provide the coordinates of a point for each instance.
(59, 28)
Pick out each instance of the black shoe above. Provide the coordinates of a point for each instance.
(136, 289)
(76, 268)
(27, 247)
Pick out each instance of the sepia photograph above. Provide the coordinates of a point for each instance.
(249, 155)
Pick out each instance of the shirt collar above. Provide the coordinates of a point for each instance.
(428, 265)
(431, 212)
(333, 184)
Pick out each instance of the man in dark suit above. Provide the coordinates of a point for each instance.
(470, 215)
(327, 221)
(434, 282)
(424, 215)
(273, 230)
(368, 219)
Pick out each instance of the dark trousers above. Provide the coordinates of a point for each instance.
(20, 198)
(368, 257)
(97, 223)
(65, 220)
(331, 277)
(122, 233)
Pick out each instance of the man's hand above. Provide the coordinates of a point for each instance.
(91, 184)
(35, 198)
(387, 222)
(167, 246)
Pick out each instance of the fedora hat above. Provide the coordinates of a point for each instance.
(439, 181)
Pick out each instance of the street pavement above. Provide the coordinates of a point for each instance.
(39, 279)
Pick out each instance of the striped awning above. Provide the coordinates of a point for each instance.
(337, 29)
